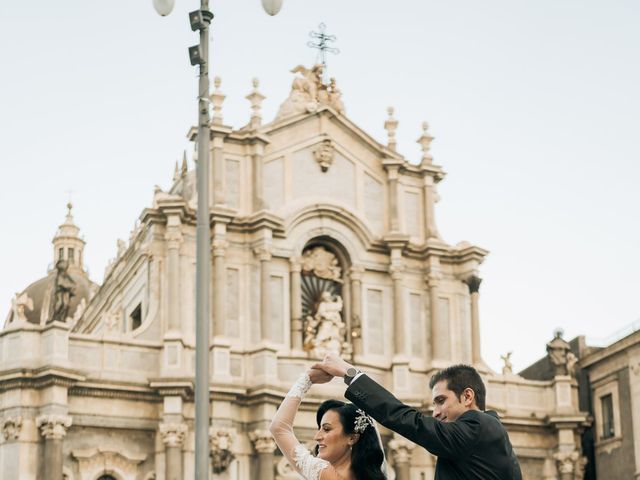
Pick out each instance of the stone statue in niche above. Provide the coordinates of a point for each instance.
(325, 331)
(64, 288)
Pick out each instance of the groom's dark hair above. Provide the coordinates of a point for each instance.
(459, 378)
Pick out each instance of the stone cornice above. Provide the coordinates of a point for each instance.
(258, 221)
(249, 136)
(38, 378)
(92, 452)
(173, 387)
(618, 347)
(396, 240)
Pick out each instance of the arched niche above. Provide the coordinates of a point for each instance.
(325, 297)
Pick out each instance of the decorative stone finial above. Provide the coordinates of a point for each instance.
(425, 142)
(256, 98)
(176, 172)
(217, 97)
(184, 169)
(391, 125)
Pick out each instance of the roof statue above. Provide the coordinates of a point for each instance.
(308, 93)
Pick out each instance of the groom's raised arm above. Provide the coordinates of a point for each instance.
(448, 440)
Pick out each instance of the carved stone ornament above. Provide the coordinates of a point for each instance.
(94, 462)
(322, 263)
(324, 154)
(11, 427)
(308, 92)
(19, 303)
(507, 368)
(557, 350)
(262, 441)
(567, 461)
(173, 434)
(220, 442)
(401, 449)
(53, 427)
(473, 282)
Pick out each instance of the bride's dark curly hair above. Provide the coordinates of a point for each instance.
(366, 454)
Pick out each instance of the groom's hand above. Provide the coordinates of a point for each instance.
(333, 365)
(319, 376)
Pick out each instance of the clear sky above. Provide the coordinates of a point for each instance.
(535, 107)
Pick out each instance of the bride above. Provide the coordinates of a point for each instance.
(348, 444)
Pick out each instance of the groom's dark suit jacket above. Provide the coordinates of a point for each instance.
(476, 446)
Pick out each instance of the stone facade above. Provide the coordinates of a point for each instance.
(322, 238)
(613, 386)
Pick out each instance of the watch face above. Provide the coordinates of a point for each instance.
(351, 372)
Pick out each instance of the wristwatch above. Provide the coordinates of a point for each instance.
(350, 375)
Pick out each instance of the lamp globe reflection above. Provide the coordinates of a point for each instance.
(272, 6)
(163, 7)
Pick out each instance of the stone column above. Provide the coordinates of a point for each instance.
(219, 285)
(264, 255)
(296, 303)
(433, 280)
(401, 452)
(257, 153)
(265, 446)
(53, 429)
(356, 308)
(173, 435)
(399, 337)
(430, 198)
(217, 170)
(392, 173)
(473, 282)
(173, 237)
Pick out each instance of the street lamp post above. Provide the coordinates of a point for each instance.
(199, 55)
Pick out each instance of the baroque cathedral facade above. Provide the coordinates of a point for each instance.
(323, 239)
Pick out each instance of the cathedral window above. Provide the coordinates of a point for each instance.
(70, 255)
(608, 430)
(136, 317)
(60, 253)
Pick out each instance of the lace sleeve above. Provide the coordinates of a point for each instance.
(282, 430)
(308, 465)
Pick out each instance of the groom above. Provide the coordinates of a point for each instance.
(470, 444)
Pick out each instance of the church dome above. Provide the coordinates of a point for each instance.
(37, 300)
(66, 286)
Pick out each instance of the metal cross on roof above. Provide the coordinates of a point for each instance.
(323, 48)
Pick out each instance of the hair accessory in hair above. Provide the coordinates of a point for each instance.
(362, 420)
